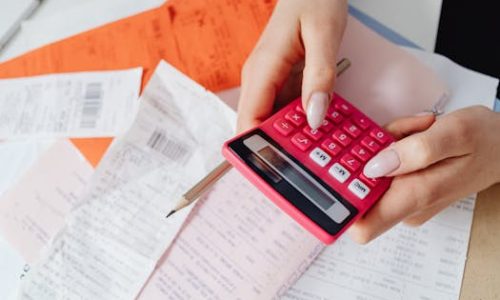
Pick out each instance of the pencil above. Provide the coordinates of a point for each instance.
(198, 189)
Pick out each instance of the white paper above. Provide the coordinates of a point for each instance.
(90, 104)
(236, 245)
(11, 269)
(113, 240)
(16, 158)
(405, 263)
(33, 210)
(468, 87)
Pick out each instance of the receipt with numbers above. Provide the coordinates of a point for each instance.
(89, 104)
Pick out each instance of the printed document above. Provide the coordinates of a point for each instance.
(91, 104)
(114, 237)
(33, 210)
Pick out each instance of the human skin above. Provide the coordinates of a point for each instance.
(435, 161)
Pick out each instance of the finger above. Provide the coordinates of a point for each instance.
(404, 127)
(321, 35)
(413, 193)
(425, 215)
(450, 136)
(268, 66)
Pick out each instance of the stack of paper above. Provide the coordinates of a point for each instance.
(103, 234)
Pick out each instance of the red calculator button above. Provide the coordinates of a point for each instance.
(299, 108)
(379, 135)
(362, 122)
(341, 137)
(370, 143)
(301, 141)
(360, 153)
(350, 162)
(314, 134)
(331, 147)
(358, 188)
(343, 107)
(295, 117)
(326, 126)
(352, 129)
(335, 116)
(370, 181)
(283, 126)
(320, 157)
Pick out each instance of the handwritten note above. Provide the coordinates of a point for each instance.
(236, 245)
(69, 105)
(114, 237)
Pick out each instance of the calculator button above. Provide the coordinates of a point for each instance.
(360, 153)
(352, 129)
(335, 116)
(370, 181)
(370, 143)
(344, 108)
(331, 147)
(326, 126)
(339, 172)
(350, 162)
(358, 188)
(341, 137)
(299, 108)
(283, 126)
(301, 141)
(314, 134)
(362, 122)
(295, 117)
(379, 135)
(320, 157)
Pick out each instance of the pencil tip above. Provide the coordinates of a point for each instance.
(171, 213)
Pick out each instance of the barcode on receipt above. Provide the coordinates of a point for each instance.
(170, 148)
(92, 105)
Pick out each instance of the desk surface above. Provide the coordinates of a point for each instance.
(482, 269)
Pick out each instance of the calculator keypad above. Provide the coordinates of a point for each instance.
(344, 142)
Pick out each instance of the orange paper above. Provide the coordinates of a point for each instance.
(206, 39)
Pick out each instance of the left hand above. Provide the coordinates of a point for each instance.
(446, 160)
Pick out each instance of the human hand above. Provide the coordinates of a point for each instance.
(455, 157)
(298, 29)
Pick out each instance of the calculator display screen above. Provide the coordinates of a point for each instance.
(296, 178)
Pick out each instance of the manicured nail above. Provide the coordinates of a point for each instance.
(382, 164)
(316, 109)
(424, 113)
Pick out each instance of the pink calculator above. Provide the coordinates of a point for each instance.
(316, 176)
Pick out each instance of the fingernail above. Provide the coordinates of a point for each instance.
(424, 113)
(382, 164)
(316, 109)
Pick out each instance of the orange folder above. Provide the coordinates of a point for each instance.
(206, 39)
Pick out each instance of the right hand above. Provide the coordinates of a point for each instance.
(298, 30)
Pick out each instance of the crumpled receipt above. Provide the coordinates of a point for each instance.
(114, 238)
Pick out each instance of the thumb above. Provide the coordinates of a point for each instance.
(321, 35)
(417, 151)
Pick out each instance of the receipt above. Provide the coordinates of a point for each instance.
(114, 237)
(33, 210)
(92, 104)
(236, 245)
(405, 263)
